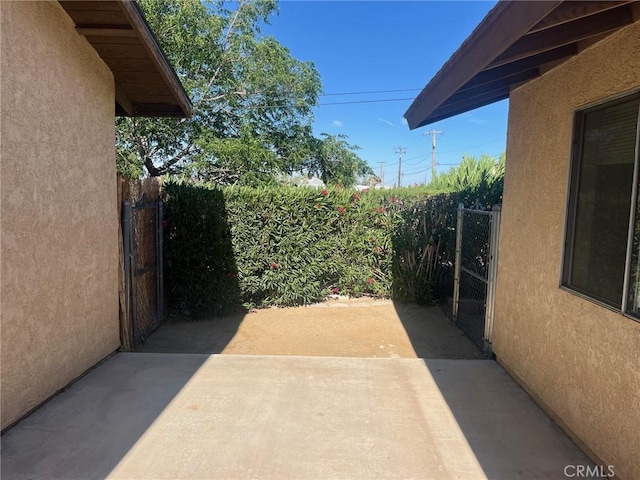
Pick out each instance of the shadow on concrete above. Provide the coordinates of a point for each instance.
(504, 428)
(509, 434)
(84, 432)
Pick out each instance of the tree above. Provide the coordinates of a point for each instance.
(482, 178)
(252, 101)
(336, 162)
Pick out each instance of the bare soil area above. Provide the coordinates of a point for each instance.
(335, 328)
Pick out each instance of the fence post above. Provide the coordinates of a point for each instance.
(126, 248)
(491, 278)
(134, 296)
(159, 260)
(456, 270)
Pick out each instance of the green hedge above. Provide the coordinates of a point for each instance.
(289, 245)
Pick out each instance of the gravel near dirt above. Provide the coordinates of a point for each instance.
(360, 327)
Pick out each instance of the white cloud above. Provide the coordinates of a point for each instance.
(337, 123)
(404, 121)
(386, 121)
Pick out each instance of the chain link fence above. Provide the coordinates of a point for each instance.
(474, 276)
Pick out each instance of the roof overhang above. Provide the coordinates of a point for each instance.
(516, 42)
(146, 84)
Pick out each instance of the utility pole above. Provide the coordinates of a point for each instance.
(433, 134)
(381, 173)
(400, 151)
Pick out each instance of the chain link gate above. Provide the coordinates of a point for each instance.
(143, 245)
(475, 273)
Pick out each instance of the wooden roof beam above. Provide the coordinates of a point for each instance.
(570, 11)
(535, 61)
(124, 101)
(106, 32)
(568, 33)
(498, 83)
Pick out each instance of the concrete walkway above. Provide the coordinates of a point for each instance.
(197, 416)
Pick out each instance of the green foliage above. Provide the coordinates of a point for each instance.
(199, 262)
(290, 245)
(424, 246)
(474, 180)
(245, 88)
(336, 162)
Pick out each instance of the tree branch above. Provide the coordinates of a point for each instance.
(225, 43)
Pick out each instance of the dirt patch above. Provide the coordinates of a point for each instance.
(336, 328)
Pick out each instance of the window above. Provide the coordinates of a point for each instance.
(602, 249)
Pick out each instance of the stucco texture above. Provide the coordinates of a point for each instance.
(59, 292)
(580, 360)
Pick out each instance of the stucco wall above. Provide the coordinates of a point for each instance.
(579, 359)
(59, 295)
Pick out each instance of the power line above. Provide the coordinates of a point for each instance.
(370, 92)
(367, 101)
(331, 103)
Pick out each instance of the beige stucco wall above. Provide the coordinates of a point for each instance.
(58, 238)
(582, 361)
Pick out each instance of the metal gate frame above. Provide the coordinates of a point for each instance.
(130, 272)
(492, 270)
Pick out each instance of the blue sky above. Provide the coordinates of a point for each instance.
(368, 46)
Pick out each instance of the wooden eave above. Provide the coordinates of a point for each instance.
(516, 42)
(146, 84)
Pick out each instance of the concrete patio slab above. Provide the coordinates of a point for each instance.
(175, 416)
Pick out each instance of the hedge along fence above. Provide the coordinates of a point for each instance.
(290, 246)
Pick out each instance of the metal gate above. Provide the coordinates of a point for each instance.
(142, 245)
(475, 273)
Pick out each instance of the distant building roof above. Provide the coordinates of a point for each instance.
(516, 42)
(146, 84)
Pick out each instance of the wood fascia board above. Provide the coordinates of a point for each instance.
(501, 28)
(149, 42)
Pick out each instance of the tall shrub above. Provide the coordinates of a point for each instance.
(290, 245)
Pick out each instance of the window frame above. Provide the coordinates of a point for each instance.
(573, 187)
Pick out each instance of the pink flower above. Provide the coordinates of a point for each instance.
(335, 290)
(341, 209)
(381, 210)
(377, 250)
(275, 265)
(318, 207)
(356, 196)
(370, 281)
(372, 239)
(324, 192)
